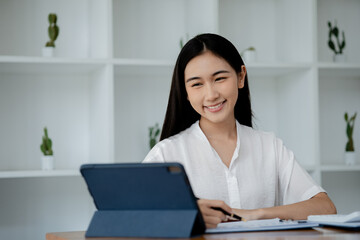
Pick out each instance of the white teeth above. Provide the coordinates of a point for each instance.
(213, 107)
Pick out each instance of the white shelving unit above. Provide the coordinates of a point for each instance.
(39, 173)
(110, 80)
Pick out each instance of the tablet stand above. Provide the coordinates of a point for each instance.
(146, 223)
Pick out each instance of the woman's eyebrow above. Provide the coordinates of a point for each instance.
(221, 71)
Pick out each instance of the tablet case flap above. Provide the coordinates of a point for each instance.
(144, 223)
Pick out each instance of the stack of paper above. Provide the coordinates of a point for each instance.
(351, 221)
(260, 225)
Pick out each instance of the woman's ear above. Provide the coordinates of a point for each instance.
(241, 77)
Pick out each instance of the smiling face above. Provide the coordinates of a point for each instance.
(212, 87)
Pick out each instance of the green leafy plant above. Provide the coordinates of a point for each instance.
(53, 30)
(337, 47)
(46, 145)
(154, 132)
(183, 41)
(349, 132)
(251, 48)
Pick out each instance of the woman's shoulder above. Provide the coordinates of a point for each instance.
(184, 136)
(256, 133)
(267, 139)
(171, 147)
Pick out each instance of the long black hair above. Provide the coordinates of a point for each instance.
(179, 114)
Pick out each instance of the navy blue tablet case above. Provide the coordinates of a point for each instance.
(142, 200)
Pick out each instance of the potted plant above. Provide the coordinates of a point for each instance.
(249, 55)
(337, 46)
(182, 41)
(53, 31)
(47, 161)
(349, 148)
(153, 135)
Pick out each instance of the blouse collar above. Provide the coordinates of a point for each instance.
(195, 128)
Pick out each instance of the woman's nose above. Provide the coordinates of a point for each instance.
(211, 92)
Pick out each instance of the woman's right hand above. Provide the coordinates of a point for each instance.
(213, 217)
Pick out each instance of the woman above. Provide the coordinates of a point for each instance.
(208, 129)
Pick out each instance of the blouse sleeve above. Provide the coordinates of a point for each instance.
(155, 155)
(295, 184)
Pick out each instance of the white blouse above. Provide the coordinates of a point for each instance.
(262, 172)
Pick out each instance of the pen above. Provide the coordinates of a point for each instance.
(233, 215)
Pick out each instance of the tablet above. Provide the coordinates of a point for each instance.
(134, 190)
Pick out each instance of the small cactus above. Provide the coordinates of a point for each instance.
(53, 30)
(349, 132)
(46, 146)
(340, 46)
(153, 134)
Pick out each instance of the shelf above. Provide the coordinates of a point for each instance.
(143, 62)
(115, 61)
(275, 69)
(26, 59)
(340, 168)
(334, 65)
(308, 167)
(327, 69)
(142, 66)
(23, 64)
(39, 173)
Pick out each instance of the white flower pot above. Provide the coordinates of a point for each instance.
(350, 158)
(47, 162)
(48, 52)
(339, 58)
(249, 56)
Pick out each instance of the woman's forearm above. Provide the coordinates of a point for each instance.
(319, 204)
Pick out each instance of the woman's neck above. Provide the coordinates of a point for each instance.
(222, 130)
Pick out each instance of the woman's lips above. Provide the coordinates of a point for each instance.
(215, 107)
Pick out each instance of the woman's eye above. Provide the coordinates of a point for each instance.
(196, 85)
(220, 78)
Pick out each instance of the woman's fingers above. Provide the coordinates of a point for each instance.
(208, 211)
(211, 216)
(215, 204)
(211, 222)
